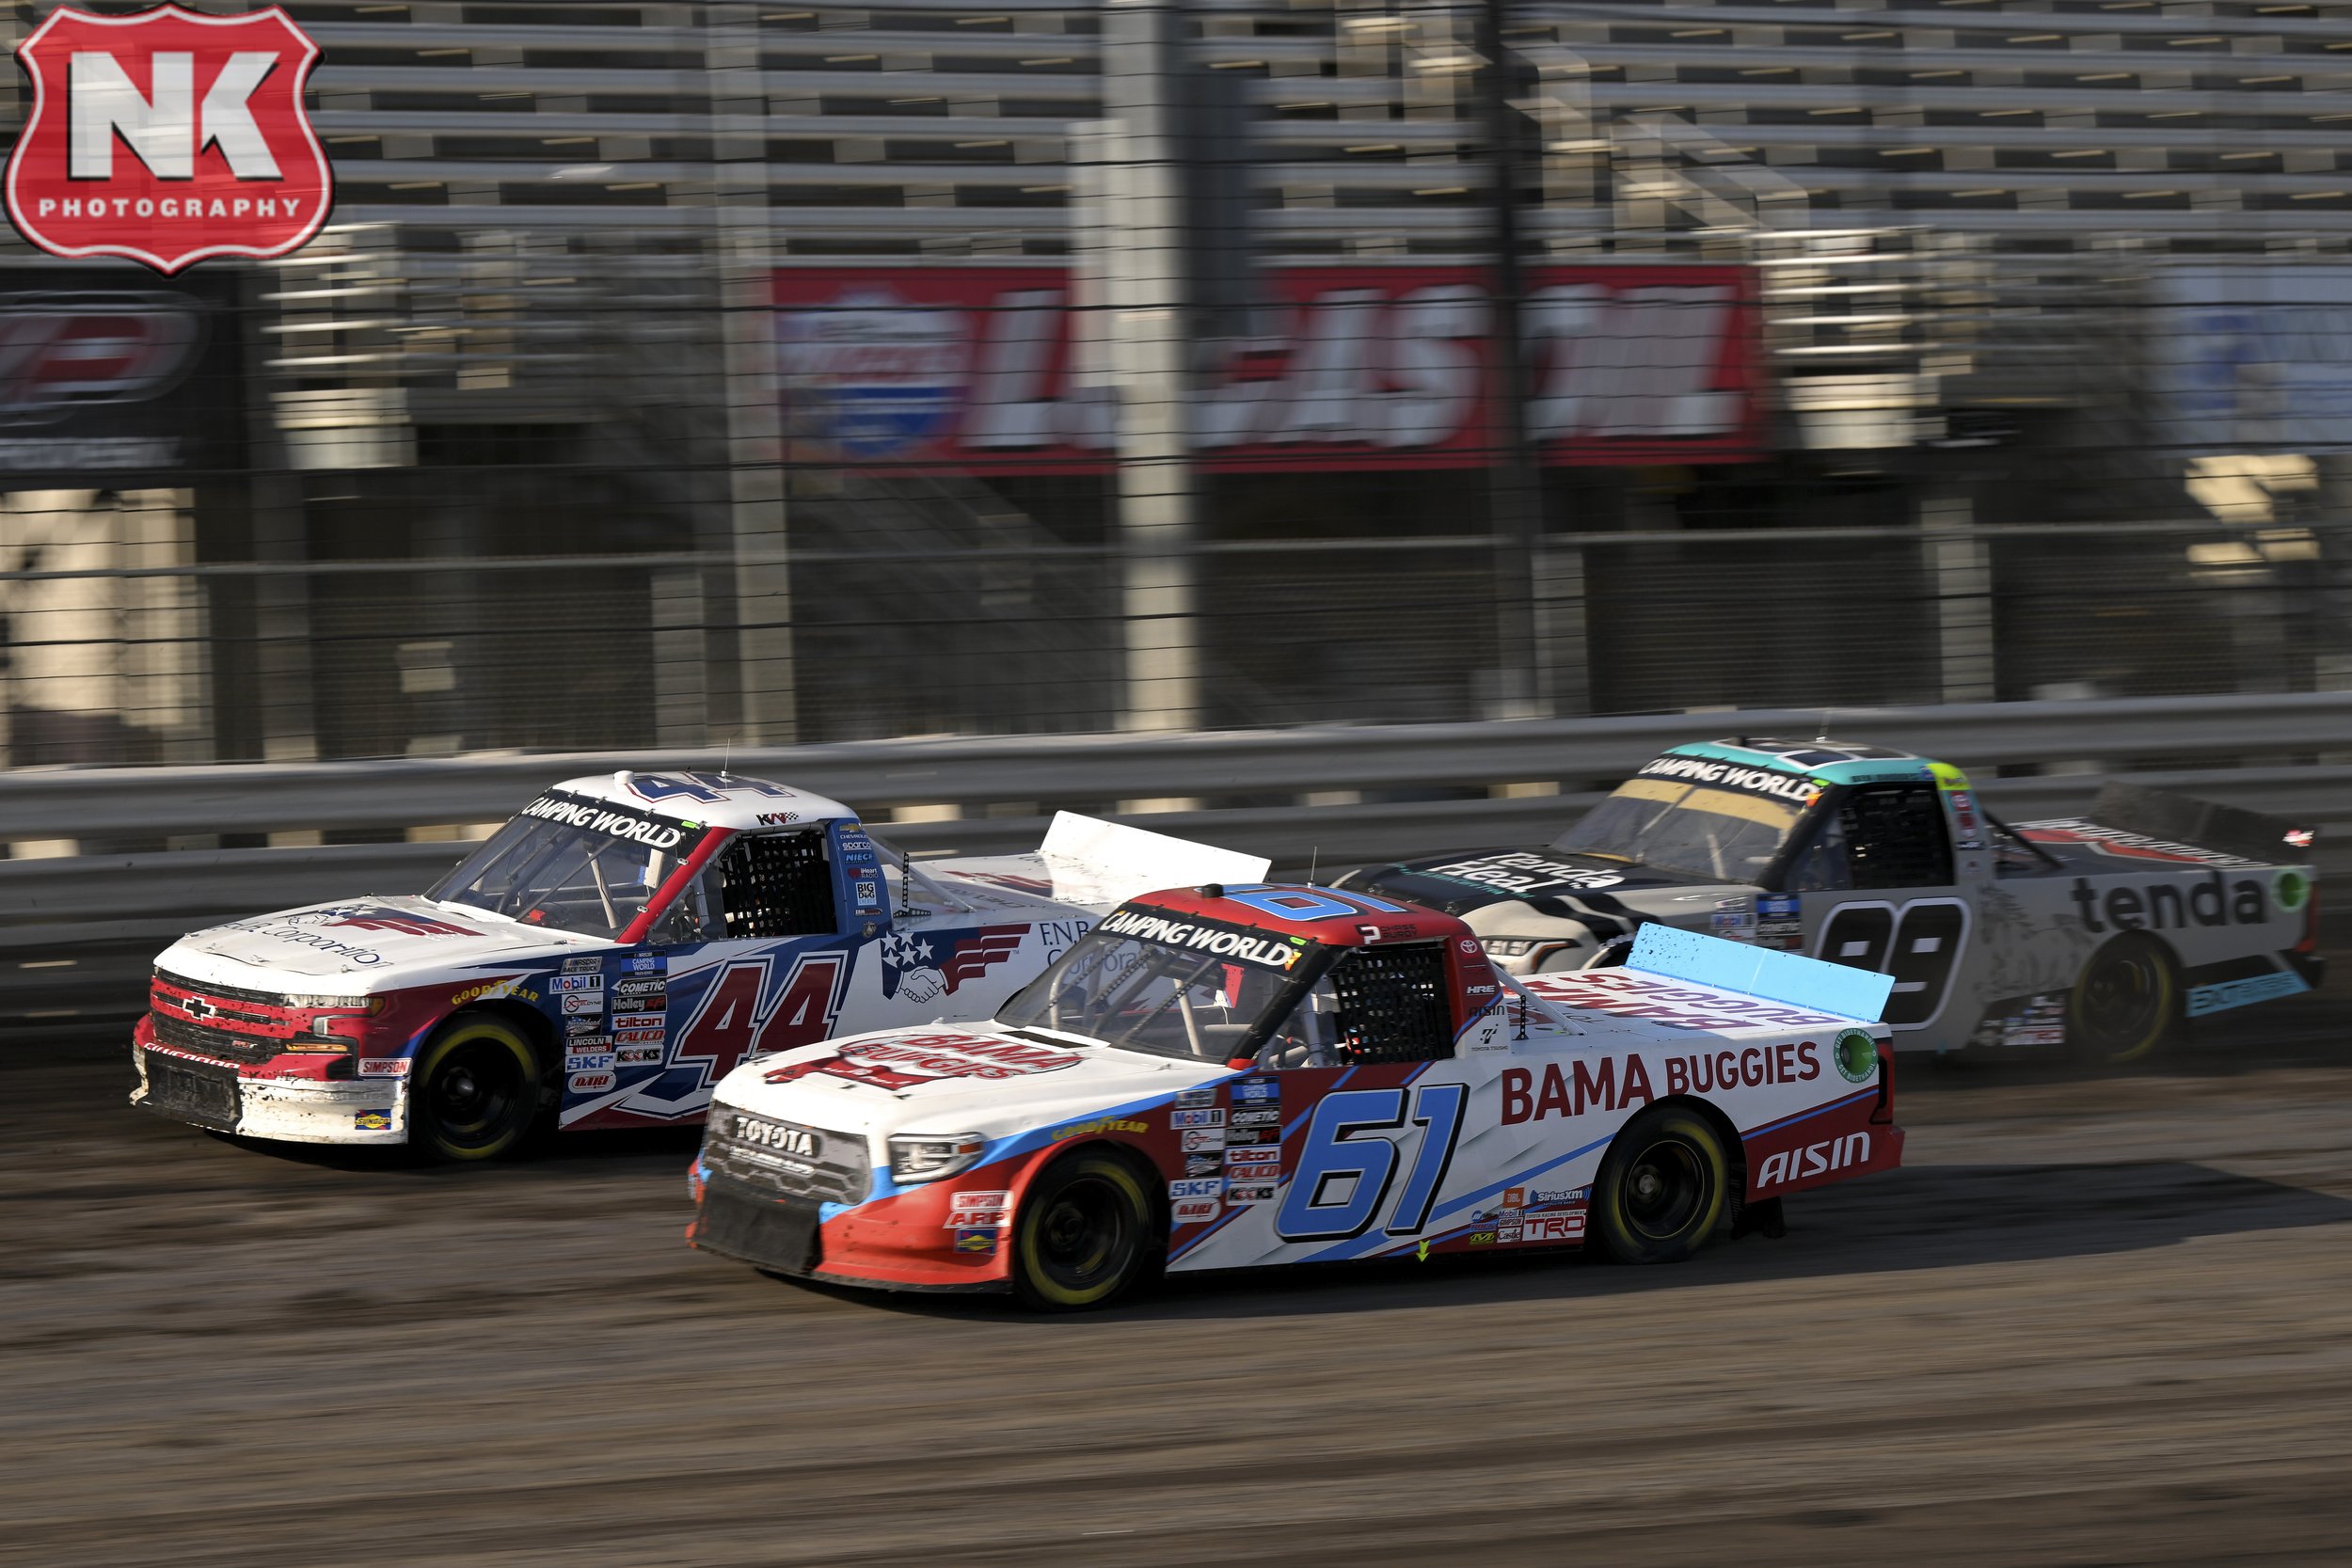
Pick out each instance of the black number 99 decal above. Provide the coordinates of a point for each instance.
(1919, 945)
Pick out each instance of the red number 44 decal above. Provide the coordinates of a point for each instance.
(731, 1025)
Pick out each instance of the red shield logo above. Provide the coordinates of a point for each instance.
(169, 137)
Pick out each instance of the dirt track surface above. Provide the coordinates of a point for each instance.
(2096, 1321)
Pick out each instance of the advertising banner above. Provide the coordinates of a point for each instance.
(104, 377)
(992, 369)
(2251, 359)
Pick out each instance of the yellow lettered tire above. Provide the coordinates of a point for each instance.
(1663, 1187)
(2125, 1002)
(474, 1090)
(1085, 1232)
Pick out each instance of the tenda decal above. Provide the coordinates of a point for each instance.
(2169, 905)
(1523, 872)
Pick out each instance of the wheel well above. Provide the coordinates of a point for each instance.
(1735, 1150)
(526, 1020)
(1154, 1188)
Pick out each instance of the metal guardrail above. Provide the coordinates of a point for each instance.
(76, 931)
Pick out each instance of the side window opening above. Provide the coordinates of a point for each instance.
(1388, 1005)
(1896, 837)
(776, 886)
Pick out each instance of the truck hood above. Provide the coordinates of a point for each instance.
(360, 944)
(1546, 882)
(955, 1079)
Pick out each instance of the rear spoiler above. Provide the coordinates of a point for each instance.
(1678, 954)
(2207, 825)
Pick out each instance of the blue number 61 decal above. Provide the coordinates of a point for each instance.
(1348, 1163)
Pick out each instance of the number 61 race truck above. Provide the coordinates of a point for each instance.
(607, 956)
(1244, 1077)
(2095, 934)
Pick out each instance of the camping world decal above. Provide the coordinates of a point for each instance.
(169, 137)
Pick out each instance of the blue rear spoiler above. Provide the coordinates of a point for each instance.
(1678, 954)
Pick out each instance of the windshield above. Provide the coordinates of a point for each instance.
(1725, 835)
(571, 865)
(1168, 986)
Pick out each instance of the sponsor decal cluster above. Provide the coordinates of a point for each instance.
(906, 1061)
(978, 1219)
(2042, 1021)
(1780, 922)
(1227, 941)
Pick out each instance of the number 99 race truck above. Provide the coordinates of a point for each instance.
(1249, 1077)
(607, 956)
(2096, 935)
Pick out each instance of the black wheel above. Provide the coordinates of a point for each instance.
(2125, 1001)
(1663, 1187)
(473, 1093)
(1084, 1233)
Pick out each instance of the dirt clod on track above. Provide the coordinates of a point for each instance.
(2099, 1320)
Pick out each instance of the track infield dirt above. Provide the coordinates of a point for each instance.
(2097, 1320)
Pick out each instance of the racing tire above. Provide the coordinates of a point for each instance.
(474, 1092)
(1083, 1234)
(1662, 1187)
(2125, 1001)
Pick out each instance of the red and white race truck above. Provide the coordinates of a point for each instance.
(607, 956)
(1252, 1076)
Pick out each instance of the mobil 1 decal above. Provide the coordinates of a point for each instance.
(1920, 944)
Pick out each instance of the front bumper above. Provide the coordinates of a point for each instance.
(205, 1093)
(894, 1244)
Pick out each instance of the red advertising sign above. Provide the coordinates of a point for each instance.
(985, 369)
(169, 137)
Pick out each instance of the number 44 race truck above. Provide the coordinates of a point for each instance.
(607, 956)
(2096, 935)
